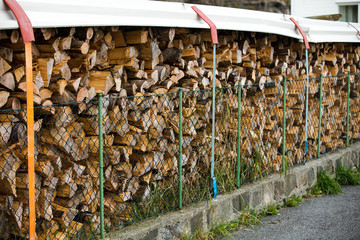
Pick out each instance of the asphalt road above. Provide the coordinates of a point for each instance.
(328, 217)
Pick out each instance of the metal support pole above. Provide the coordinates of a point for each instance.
(307, 102)
(214, 39)
(27, 34)
(307, 46)
(213, 178)
(31, 142)
(284, 126)
(320, 115)
(239, 137)
(348, 112)
(101, 165)
(180, 147)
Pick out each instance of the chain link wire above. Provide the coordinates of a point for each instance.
(141, 160)
(67, 161)
(333, 133)
(141, 151)
(196, 145)
(296, 120)
(261, 130)
(14, 191)
(226, 138)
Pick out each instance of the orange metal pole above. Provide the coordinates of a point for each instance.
(30, 133)
(27, 34)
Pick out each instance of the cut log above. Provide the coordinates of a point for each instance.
(101, 81)
(136, 37)
(4, 66)
(8, 81)
(4, 96)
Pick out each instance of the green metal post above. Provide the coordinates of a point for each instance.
(348, 112)
(101, 165)
(320, 115)
(239, 137)
(180, 147)
(284, 125)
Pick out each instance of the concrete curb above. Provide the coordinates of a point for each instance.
(270, 190)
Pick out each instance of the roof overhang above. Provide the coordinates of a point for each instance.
(76, 13)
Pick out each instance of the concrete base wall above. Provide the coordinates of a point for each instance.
(270, 190)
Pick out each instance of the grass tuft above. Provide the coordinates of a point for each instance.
(293, 201)
(197, 235)
(314, 192)
(326, 184)
(271, 210)
(347, 176)
(247, 218)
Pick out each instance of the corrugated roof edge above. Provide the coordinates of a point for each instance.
(70, 13)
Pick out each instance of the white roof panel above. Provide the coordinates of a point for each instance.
(75, 13)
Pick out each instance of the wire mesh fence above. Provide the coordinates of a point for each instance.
(302, 121)
(196, 145)
(106, 162)
(261, 130)
(333, 133)
(14, 215)
(67, 162)
(225, 164)
(141, 160)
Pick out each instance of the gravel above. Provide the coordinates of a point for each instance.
(327, 217)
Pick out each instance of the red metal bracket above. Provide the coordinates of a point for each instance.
(358, 32)
(307, 46)
(24, 22)
(212, 25)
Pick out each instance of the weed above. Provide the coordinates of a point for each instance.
(197, 235)
(314, 192)
(346, 176)
(225, 174)
(326, 184)
(293, 201)
(271, 210)
(224, 229)
(247, 218)
(256, 165)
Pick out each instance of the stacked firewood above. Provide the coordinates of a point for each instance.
(72, 65)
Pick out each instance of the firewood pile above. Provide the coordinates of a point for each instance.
(139, 72)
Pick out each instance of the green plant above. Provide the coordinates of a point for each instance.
(315, 191)
(346, 176)
(225, 174)
(247, 218)
(256, 165)
(293, 201)
(224, 229)
(270, 210)
(326, 184)
(197, 235)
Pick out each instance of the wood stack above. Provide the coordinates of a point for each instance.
(141, 132)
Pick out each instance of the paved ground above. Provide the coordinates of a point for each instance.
(328, 217)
